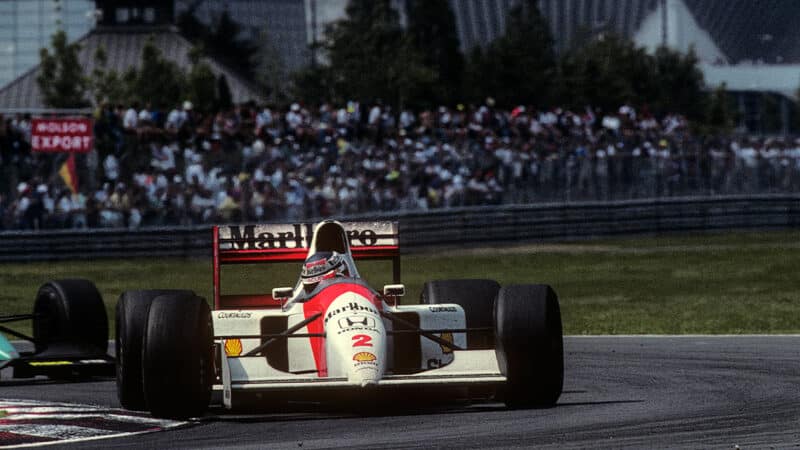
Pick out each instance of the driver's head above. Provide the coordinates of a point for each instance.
(322, 266)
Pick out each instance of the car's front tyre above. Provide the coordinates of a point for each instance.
(177, 360)
(529, 345)
(132, 311)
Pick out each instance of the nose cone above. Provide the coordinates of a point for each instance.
(356, 341)
(366, 368)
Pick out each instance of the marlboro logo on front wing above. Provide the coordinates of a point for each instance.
(364, 357)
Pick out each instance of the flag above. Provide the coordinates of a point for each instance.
(68, 173)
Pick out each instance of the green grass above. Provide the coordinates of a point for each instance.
(710, 283)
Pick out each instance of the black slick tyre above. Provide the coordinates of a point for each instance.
(131, 322)
(177, 359)
(70, 316)
(530, 349)
(476, 296)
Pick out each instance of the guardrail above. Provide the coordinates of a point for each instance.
(477, 225)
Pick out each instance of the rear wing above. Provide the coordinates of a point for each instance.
(274, 243)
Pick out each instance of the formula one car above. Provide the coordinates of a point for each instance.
(70, 334)
(331, 335)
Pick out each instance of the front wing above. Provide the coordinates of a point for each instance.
(469, 368)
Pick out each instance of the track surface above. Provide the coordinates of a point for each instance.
(619, 392)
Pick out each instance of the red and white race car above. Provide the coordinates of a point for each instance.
(332, 335)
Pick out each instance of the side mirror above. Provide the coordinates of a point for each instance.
(282, 293)
(394, 290)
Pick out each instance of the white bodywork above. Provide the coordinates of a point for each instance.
(359, 346)
(254, 373)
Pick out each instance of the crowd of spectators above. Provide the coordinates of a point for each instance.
(258, 163)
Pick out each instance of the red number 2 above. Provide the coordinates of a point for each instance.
(362, 340)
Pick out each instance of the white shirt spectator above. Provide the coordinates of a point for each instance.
(111, 167)
(175, 119)
(293, 117)
(195, 172)
(374, 115)
(129, 121)
(264, 119)
(163, 158)
(145, 115)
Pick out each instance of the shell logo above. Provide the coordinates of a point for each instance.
(233, 347)
(448, 336)
(364, 357)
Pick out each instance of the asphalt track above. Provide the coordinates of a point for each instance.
(619, 392)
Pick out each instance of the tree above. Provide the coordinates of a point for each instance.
(158, 81)
(230, 48)
(681, 83)
(720, 116)
(311, 85)
(770, 109)
(432, 34)
(106, 85)
(520, 66)
(271, 72)
(370, 59)
(201, 87)
(221, 39)
(605, 73)
(61, 80)
(476, 76)
(225, 99)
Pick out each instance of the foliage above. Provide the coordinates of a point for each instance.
(520, 66)
(158, 80)
(361, 71)
(610, 70)
(432, 35)
(270, 71)
(225, 99)
(770, 113)
(61, 80)
(201, 87)
(106, 84)
(605, 73)
(680, 83)
(221, 40)
(720, 116)
(311, 84)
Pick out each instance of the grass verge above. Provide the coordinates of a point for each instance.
(736, 283)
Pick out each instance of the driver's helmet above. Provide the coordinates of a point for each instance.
(322, 266)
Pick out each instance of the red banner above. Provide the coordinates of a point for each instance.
(61, 135)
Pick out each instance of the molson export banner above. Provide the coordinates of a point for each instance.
(61, 135)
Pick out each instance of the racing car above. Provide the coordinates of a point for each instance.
(331, 335)
(70, 334)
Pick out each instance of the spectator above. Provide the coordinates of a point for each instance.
(253, 163)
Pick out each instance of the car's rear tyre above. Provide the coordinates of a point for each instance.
(530, 349)
(70, 316)
(177, 362)
(476, 296)
(131, 323)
